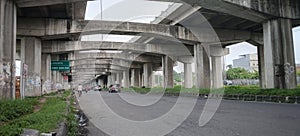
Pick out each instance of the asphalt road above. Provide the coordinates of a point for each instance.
(111, 115)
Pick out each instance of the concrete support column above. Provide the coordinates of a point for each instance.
(147, 75)
(135, 73)
(113, 78)
(46, 72)
(261, 67)
(126, 78)
(54, 73)
(279, 57)
(8, 19)
(202, 67)
(46, 67)
(188, 75)
(217, 71)
(141, 77)
(33, 58)
(168, 72)
(109, 82)
(153, 79)
(119, 78)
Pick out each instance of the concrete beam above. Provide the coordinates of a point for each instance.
(39, 27)
(49, 29)
(119, 56)
(116, 62)
(100, 66)
(70, 46)
(39, 3)
(225, 7)
(279, 8)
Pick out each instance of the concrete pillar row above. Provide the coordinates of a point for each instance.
(126, 78)
(202, 67)
(8, 23)
(168, 72)
(279, 57)
(147, 76)
(188, 75)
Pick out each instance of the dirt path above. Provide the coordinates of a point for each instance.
(40, 105)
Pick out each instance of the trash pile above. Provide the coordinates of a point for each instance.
(83, 123)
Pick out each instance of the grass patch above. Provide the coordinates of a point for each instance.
(12, 109)
(44, 120)
(72, 122)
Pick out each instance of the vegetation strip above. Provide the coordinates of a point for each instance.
(45, 120)
(228, 90)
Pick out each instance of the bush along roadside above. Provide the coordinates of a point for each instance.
(12, 109)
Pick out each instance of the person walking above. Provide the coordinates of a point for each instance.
(79, 89)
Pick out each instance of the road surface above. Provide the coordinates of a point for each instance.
(233, 118)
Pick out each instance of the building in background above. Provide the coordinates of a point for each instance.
(247, 61)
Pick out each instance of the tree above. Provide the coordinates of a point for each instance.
(241, 73)
(177, 76)
(298, 73)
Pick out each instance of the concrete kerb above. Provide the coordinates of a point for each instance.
(264, 98)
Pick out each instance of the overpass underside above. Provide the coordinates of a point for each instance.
(44, 31)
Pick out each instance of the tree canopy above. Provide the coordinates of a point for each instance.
(241, 73)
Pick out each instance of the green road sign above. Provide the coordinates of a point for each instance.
(62, 65)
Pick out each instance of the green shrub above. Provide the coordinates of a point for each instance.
(11, 109)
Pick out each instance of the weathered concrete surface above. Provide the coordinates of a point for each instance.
(120, 56)
(33, 58)
(224, 7)
(53, 29)
(202, 66)
(147, 74)
(232, 118)
(39, 3)
(41, 26)
(188, 75)
(279, 57)
(279, 8)
(126, 79)
(168, 63)
(8, 14)
(70, 46)
(116, 62)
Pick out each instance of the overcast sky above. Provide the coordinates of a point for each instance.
(146, 11)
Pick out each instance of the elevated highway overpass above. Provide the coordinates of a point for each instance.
(45, 30)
